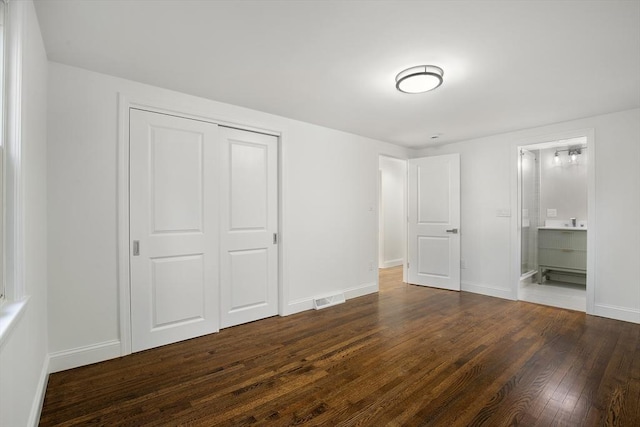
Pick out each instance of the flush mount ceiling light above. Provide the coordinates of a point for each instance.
(422, 78)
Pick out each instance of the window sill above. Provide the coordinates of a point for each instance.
(10, 313)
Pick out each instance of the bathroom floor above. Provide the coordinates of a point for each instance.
(555, 294)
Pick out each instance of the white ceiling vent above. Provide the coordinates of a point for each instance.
(328, 301)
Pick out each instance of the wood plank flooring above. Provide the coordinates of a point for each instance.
(406, 356)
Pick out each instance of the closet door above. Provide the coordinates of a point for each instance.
(174, 229)
(249, 220)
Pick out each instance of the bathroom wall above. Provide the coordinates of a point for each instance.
(563, 186)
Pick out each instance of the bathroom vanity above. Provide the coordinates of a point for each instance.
(562, 249)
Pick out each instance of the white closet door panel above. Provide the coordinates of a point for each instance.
(178, 290)
(249, 256)
(174, 219)
(249, 279)
(249, 184)
(177, 197)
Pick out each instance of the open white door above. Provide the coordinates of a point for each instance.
(173, 229)
(249, 226)
(434, 222)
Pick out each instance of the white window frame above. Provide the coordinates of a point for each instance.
(3, 47)
(15, 297)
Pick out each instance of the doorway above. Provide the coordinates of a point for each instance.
(392, 176)
(553, 207)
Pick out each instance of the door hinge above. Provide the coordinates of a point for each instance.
(275, 238)
(136, 247)
(408, 265)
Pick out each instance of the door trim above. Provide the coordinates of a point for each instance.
(125, 103)
(515, 239)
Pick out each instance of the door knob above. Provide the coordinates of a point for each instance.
(452, 231)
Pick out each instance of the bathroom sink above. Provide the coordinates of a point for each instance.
(563, 224)
(563, 227)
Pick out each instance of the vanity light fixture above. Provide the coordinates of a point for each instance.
(422, 78)
(572, 152)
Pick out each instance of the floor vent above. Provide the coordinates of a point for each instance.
(328, 301)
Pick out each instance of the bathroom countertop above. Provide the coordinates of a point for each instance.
(564, 228)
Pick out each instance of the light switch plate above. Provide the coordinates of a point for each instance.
(503, 212)
(552, 213)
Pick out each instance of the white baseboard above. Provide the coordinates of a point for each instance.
(305, 304)
(298, 306)
(392, 263)
(38, 400)
(618, 313)
(487, 290)
(80, 356)
(358, 291)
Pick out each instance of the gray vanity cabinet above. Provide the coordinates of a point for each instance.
(562, 250)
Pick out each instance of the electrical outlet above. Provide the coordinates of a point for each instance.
(463, 263)
(552, 213)
(370, 265)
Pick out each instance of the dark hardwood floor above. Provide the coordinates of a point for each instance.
(406, 356)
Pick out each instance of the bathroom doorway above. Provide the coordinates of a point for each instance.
(553, 205)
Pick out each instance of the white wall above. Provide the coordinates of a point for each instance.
(393, 174)
(488, 177)
(329, 207)
(563, 186)
(23, 354)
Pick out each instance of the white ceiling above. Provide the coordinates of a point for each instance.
(507, 64)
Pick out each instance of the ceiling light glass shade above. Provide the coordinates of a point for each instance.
(422, 78)
(556, 158)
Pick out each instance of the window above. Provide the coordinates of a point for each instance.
(13, 300)
(2, 148)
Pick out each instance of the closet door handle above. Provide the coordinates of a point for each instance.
(452, 231)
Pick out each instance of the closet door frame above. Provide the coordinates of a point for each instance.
(180, 108)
